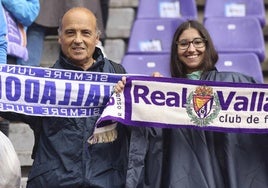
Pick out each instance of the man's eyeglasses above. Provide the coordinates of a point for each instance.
(197, 42)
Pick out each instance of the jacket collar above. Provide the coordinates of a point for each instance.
(205, 74)
(97, 56)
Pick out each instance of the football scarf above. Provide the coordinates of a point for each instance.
(146, 101)
(40, 91)
(184, 103)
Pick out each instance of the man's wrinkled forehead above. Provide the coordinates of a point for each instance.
(76, 16)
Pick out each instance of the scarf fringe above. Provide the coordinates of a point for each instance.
(103, 135)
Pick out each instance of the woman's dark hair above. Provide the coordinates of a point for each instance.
(177, 68)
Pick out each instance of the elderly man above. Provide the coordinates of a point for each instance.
(62, 156)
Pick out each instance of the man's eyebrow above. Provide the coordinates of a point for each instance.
(69, 29)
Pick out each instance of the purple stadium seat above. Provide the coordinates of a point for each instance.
(146, 64)
(237, 35)
(149, 9)
(245, 63)
(235, 8)
(152, 35)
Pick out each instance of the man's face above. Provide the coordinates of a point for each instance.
(79, 37)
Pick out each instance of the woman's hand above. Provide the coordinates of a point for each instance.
(119, 87)
(157, 74)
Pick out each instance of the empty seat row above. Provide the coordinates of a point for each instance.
(246, 63)
(235, 8)
(155, 9)
(236, 35)
(236, 30)
(228, 35)
(152, 33)
(146, 64)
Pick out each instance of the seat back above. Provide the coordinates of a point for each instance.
(235, 8)
(147, 64)
(237, 35)
(149, 9)
(245, 63)
(152, 35)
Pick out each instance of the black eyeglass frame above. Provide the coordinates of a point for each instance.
(204, 41)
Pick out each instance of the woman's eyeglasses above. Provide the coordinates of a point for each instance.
(197, 42)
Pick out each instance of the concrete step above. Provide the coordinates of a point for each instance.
(119, 23)
(124, 3)
(22, 138)
(50, 51)
(115, 49)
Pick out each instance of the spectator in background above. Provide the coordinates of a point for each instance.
(24, 12)
(3, 42)
(47, 23)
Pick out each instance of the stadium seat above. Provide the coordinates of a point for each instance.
(237, 35)
(150, 9)
(152, 35)
(146, 64)
(235, 8)
(246, 63)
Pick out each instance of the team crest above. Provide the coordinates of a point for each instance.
(202, 105)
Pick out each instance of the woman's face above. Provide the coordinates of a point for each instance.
(192, 56)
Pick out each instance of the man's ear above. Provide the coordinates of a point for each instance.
(59, 40)
(97, 40)
(98, 33)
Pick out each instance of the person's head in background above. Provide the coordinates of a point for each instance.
(78, 36)
(192, 50)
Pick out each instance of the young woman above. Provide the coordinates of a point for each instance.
(194, 158)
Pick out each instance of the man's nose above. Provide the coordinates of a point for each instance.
(78, 38)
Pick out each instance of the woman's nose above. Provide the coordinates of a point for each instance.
(191, 47)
